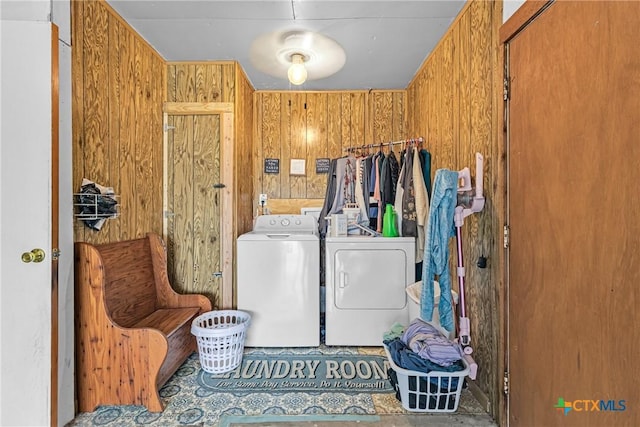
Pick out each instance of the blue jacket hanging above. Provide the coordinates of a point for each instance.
(440, 228)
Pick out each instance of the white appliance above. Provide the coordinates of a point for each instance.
(366, 279)
(278, 281)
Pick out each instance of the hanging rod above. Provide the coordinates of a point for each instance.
(385, 144)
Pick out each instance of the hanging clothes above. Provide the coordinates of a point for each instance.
(440, 228)
(409, 226)
(422, 204)
(329, 197)
(359, 191)
(389, 179)
(425, 160)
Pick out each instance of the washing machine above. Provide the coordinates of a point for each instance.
(278, 281)
(366, 279)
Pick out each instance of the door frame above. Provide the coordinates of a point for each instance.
(527, 12)
(55, 219)
(227, 216)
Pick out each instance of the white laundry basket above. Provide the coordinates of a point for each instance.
(220, 336)
(414, 292)
(436, 391)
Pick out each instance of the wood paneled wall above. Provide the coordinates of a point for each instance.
(453, 103)
(118, 90)
(310, 125)
(223, 81)
(243, 172)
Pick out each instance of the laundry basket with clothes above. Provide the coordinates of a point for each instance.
(427, 369)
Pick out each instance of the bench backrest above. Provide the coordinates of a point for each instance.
(129, 288)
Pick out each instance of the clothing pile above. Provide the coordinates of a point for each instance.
(423, 348)
(96, 203)
(376, 180)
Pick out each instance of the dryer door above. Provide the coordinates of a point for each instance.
(370, 279)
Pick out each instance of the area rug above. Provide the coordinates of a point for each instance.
(311, 371)
(317, 382)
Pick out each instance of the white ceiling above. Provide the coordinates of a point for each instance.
(385, 41)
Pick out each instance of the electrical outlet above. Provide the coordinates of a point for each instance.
(263, 199)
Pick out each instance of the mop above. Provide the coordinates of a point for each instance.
(469, 201)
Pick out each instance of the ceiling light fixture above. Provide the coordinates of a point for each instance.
(300, 55)
(297, 72)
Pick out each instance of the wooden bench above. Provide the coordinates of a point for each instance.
(133, 330)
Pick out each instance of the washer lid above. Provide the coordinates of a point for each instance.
(286, 224)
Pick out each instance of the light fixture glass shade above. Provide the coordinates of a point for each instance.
(297, 72)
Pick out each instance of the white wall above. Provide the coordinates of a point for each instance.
(509, 7)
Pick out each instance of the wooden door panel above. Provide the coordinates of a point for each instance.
(194, 205)
(574, 174)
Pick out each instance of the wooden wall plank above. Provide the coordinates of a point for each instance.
(206, 206)
(298, 144)
(334, 125)
(398, 117)
(185, 83)
(446, 102)
(358, 119)
(208, 80)
(126, 164)
(228, 82)
(286, 100)
(182, 206)
(258, 175)
(171, 83)
(77, 106)
(245, 154)
(464, 111)
(382, 116)
(271, 137)
(96, 97)
(317, 140)
(347, 129)
(115, 100)
(157, 133)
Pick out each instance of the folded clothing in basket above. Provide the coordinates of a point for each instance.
(424, 339)
(406, 358)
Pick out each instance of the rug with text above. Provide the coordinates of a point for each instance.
(318, 382)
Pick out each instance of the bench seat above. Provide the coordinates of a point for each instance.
(133, 331)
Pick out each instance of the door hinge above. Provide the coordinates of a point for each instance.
(217, 274)
(219, 185)
(167, 127)
(505, 383)
(168, 214)
(55, 254)
(505, 235)
(505, 89)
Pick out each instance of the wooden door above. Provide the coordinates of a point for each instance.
(29, 220)
(194, 205)
(573, 203)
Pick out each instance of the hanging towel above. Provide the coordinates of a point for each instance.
(440, 228)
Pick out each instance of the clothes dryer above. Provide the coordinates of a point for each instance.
(278, 281)
(366, 280)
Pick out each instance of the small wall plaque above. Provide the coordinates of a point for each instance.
(297, 166)
(322, 165)
(271, 165)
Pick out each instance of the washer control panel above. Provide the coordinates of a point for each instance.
(286, 224)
